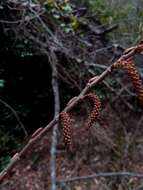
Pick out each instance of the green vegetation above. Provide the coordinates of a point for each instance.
(127, 14)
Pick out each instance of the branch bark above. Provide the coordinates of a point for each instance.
(55, 87)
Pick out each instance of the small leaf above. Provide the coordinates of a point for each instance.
(2, 83)
(67, 8)
(56, 16)
(67, 29)
(74, 22)
(63, 25)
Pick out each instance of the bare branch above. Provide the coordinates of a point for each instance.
(102, 174)
(128, 54)
(55, 86)
(33, 140)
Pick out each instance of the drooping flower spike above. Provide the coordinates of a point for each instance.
(129, 66)
(96, 104)
(66, 129)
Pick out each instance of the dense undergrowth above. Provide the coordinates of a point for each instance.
(127, 14)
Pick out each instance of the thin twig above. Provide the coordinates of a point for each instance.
(16, 116)
(118, 95)
(102, 174)
(46, 27)
(139, 124)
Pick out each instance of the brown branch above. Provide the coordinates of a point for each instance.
(94, 81)
(33, 140)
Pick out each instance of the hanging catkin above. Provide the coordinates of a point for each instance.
(96, 104)
(134, 76)
(66, 129)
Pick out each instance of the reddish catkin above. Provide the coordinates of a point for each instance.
(93, 98)
(66, 129)
(134, 75)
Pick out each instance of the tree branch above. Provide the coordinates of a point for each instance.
(129, 53)
(55, 86)
(42, 132)
(102, 174)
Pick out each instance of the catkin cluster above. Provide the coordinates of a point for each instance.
(66, 129)
(93, 116)
(134, 76)
(96, 104)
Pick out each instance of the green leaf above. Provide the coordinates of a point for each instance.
(2, 82)
(67, 8)
(56, 16)
(74, 22)
(68, 29)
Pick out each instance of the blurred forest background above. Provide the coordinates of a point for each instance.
(43, 41)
